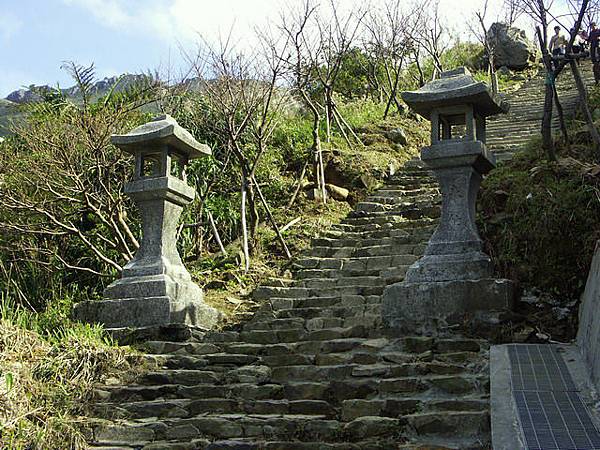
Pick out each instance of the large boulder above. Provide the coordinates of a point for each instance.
(511, 47)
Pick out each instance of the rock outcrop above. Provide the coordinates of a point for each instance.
(99, 88)
(24, 95)
(511, 46)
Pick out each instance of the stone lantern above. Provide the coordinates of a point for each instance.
(453, 281)
(155, 288)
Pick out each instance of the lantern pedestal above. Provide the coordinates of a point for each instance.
(452, 284)
(454, 252)
(155, 289)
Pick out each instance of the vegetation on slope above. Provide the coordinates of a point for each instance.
(48, 367)
(541, 221)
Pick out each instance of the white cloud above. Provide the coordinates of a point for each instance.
(107, 12)
(10, 24)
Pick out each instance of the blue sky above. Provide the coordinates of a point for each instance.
(132, 36)
(119, 36)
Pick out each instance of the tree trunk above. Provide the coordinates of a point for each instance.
(252, 210)
(298, 186)
(561, 116)
(328, 114)
(586, 108)
(322, 173)
(272, 220)
(216, 233)
(245, 247)
(547, 142)
(318, 171)
(494, 78)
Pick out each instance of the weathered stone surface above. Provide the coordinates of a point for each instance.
(511, 47)
(442, 288)
(371, 426)
(311, 370)
(588, 336)
(422, 307)
(454, 87)
(232, 445)
(397, 136)
(352, 409)
(337, 192)
(114, 434)
(454, 251)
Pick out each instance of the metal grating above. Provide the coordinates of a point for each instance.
(539, 368)
(551, 412)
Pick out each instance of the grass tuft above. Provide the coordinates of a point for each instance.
(47, 377)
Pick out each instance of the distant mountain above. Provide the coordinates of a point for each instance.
(9, 106)
(99, 88)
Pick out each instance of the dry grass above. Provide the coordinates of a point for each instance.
(46, 381)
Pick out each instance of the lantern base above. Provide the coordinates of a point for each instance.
(430, 307)
(463, 266)
(149, 301)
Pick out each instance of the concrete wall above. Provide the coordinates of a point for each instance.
(588, 336)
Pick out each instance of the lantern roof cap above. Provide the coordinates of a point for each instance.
(453, 88)
(161, 130)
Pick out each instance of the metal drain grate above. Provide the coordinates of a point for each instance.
(539, 368)
(551, 413)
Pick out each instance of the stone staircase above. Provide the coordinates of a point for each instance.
(510, 132)
(314, 368)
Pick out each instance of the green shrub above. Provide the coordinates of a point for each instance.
(541, 221)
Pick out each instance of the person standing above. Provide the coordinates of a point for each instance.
(558, 43)
(594, 39)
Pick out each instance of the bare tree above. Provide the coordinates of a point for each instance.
(305, 45)
(390, 42)
(432, 36)
(336, 33)
(512, 12)
(241, 92)
(490, 43)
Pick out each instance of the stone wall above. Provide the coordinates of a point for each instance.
(588, 337)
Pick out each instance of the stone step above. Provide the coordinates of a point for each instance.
(383, 273)
(266, 292)
(409, 345)
(377, 224)
(402, 208)
(388, 220)
(400, 190)
(296, 427)
(312, 265)
(334, 383)
(402, 200)
(432, 212)
(394, 238)
(277, 304)
(347, 282)
(347, 411)
(378, 232)
(349, 257)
